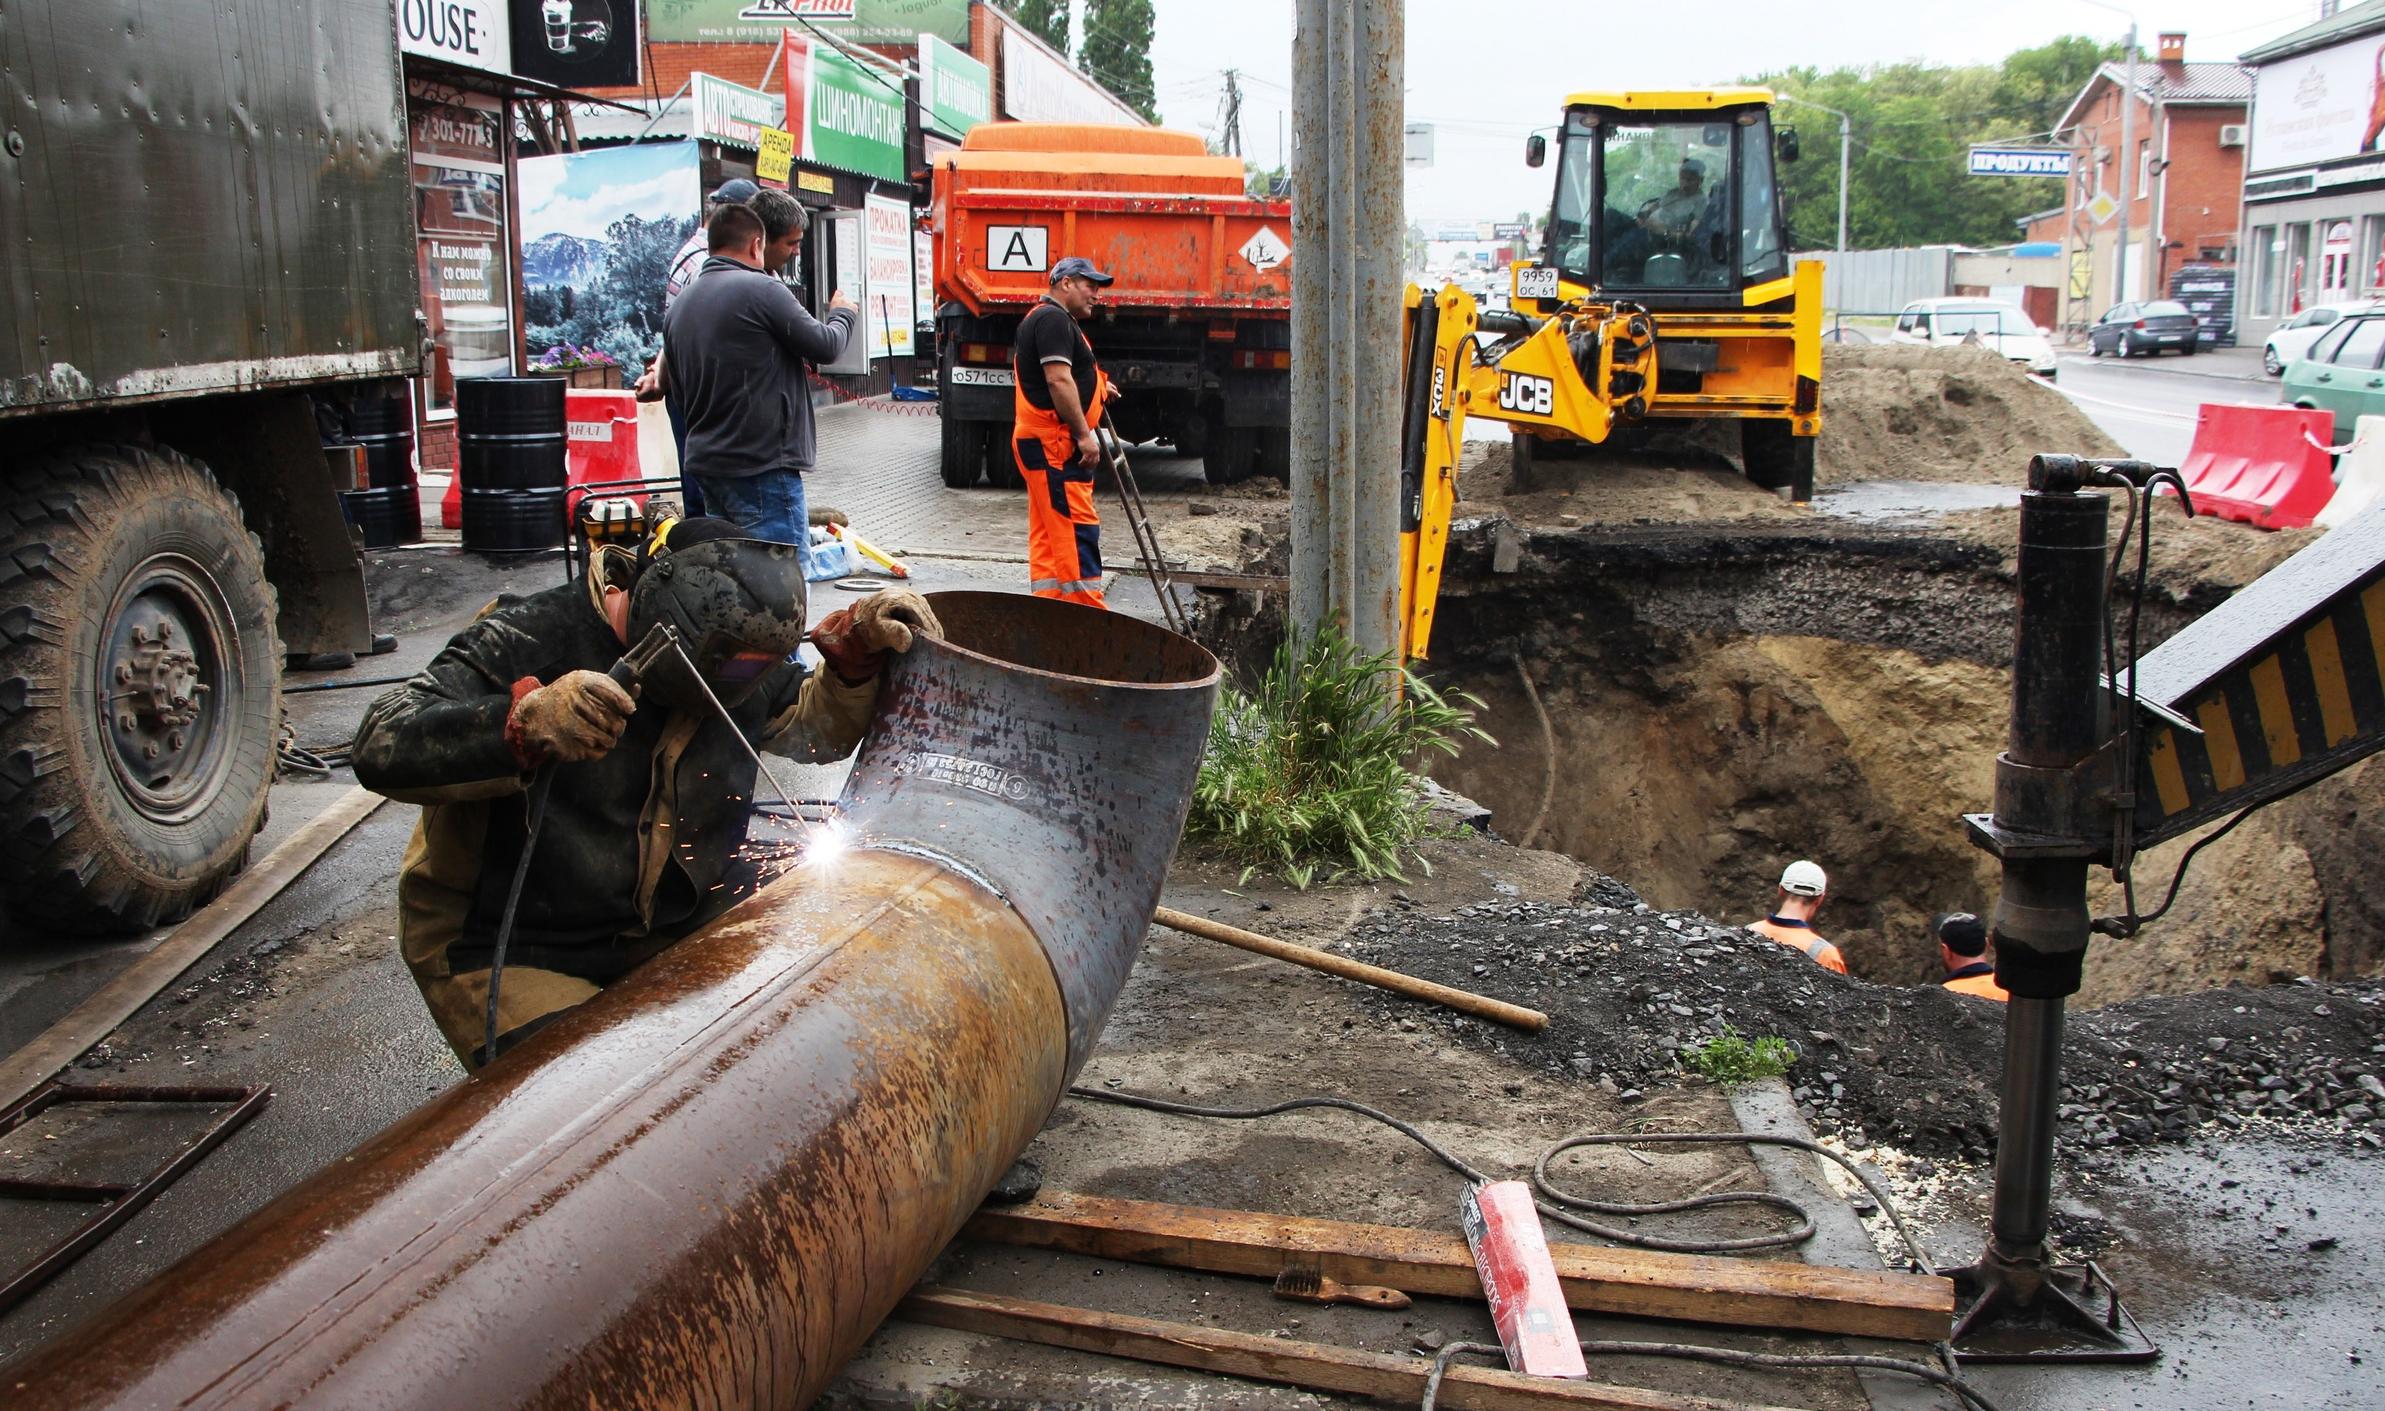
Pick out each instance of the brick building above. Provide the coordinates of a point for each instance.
(2186, 188)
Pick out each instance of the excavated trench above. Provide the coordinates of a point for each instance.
(1690, 708)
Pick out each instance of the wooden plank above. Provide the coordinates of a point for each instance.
(1316, 1366)
(1633, 1282)
(1531, 1021)
(120, 998)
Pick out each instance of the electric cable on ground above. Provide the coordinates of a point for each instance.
(1724, 1356)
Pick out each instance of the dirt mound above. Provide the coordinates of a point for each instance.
(1891, 412)
(1627, 987)
(1672, 481)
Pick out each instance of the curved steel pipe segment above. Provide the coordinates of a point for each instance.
(707, 1186)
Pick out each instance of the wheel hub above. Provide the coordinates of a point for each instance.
(162, 657)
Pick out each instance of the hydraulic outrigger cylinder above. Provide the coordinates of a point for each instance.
(705, 1187)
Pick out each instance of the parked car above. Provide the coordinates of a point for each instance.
(2138, 330)
(2001, 327)
(2294, 337)
(2341, 372)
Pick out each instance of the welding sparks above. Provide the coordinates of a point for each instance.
(825, 843)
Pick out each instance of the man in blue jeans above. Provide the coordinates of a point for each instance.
(735, 345)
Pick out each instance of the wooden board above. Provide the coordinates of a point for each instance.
(1316, 1366)
(120, 998)
(1633, 1282)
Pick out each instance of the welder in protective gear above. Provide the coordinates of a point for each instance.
(651, 794)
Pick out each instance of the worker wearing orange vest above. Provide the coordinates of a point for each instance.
(1803, 887)
(1057, 397)
(1962, 949)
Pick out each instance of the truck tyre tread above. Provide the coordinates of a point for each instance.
(1275, 453)
(1231, 456)
(1001, 463)
(962, 453)
(75, 525)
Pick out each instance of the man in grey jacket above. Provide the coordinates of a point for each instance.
(735, 344)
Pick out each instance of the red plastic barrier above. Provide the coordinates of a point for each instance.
(2263, 466)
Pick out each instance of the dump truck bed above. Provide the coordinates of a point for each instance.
(1152, 207)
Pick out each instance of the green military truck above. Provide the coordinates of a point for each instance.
(210, 234)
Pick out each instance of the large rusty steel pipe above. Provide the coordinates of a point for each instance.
(705, 1187)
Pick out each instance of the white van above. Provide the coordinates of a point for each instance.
(2000, 327)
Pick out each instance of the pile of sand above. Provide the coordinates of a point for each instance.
(1894, 412)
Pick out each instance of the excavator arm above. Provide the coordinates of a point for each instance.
(1532, 377)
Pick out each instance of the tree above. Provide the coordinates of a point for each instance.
(1046, 19)
(1912, 125)
(1117, 51)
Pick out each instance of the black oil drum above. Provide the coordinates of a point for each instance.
(384, 426)
(509, 433)
(512, 521)
(388, 515)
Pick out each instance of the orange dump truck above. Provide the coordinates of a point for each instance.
(1197, 330)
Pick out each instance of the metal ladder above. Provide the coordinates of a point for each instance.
(1138, 521)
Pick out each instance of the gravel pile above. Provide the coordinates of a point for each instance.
(1628, 987)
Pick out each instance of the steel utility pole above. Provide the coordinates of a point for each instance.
(2128, 156)
(1846, 144)
(1347, 222)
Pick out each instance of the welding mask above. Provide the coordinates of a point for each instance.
(736, 603)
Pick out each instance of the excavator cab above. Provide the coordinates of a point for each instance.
(1674, 207)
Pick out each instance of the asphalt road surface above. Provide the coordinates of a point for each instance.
(2148, 405)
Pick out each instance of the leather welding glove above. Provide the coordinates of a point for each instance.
(854, 641)
(578, 716)
(886, 621)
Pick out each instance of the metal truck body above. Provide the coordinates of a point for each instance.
(210, 217)
(1197, 330)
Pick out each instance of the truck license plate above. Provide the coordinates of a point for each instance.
(979, 377)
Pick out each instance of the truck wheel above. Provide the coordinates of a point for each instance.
(1275, 453)
(1776, 458)
(1001, 462)
(963, 452)
(1231, 455)
(139, 688)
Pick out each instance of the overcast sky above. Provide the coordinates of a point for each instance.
(1487, 72)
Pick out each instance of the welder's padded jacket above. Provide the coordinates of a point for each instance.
(634, 844)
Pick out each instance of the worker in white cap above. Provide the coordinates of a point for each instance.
(1803, 888)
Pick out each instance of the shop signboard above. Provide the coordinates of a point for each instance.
(777, 156)
(577, 43)
(459, 219)
(473, 33)
(2019, 161)
(956, 92)
(731, 114)
(2317, 107)
(852, 114)
(759, 21)
(1039, 86)
(889, 317)
(923, 277)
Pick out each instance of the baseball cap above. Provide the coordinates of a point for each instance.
(1804, 879)
(1078, 267)
(737, 191)
(1960, 932)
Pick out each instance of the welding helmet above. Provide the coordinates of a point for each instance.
(736, 603)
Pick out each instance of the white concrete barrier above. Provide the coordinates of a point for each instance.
(2359, 473)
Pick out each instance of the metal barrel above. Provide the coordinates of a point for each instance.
(510, 433)
(705, 1187)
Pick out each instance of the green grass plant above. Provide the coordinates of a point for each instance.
(1308, 777)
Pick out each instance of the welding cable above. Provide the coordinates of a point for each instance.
(1723, 1356)
(534, 813)
(1560, 1204)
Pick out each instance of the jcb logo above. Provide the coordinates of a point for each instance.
(1440, 381)
(1534, 396)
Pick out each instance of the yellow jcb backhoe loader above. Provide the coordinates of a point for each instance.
(1663, 293)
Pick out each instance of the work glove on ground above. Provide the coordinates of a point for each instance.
(579, 716)
(854, 641)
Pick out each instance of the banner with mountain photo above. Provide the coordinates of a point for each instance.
(598, 232)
